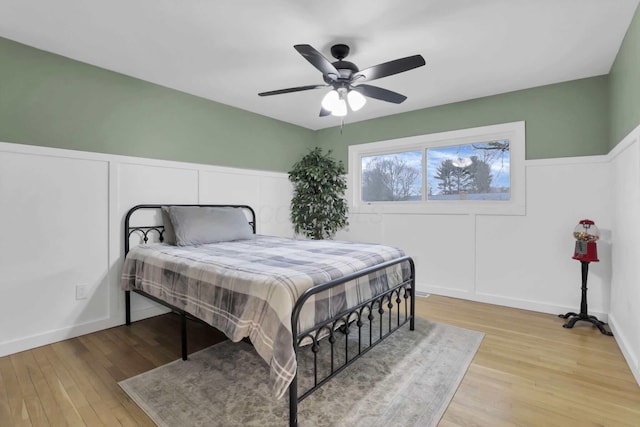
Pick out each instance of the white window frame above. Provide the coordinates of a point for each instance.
(516, 205)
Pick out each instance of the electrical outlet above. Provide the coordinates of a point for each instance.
(81, 292)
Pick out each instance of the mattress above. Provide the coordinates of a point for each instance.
(248, 288)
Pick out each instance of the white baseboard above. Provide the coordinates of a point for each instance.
(49, 337)
(147, 312)
(627, 351)
(506, 301)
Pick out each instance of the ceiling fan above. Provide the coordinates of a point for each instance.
(345, 79)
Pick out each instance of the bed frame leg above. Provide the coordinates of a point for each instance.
(412, 322)
(293, 402)
(183, 322)
(127, 307)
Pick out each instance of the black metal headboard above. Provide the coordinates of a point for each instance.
(159, 229)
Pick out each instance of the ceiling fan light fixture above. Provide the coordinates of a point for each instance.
(334, 102)
(340, 109)
(356, 100)
(331, 100)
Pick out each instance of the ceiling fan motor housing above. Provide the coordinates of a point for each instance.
(345, 68)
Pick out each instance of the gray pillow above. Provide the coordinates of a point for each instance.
(198, 225)
(169, 235)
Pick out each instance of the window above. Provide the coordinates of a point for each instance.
(392, 177)
(477, 170)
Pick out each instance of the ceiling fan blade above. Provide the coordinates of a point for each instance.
(291, 89)
(390, 68)
(317, 60)
(324, 112)
(380, 93)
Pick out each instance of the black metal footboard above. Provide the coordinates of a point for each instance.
(399, 299)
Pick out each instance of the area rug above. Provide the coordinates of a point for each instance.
(406, 380)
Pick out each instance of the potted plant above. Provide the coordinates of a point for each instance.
(318, 206)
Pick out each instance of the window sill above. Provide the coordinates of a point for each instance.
(441, 208)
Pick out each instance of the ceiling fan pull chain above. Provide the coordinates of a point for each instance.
(341, 125)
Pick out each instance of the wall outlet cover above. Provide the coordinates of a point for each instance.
(81, 292)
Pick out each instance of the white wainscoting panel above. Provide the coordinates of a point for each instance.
(272, 211)
(140, 183)
(229, 188)
(66, 214)
(625, 284)
(527, 259)
(442, 247)
(363, 227)
(55, 237)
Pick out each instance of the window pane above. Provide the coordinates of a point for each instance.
(392, 177)
(478, 171)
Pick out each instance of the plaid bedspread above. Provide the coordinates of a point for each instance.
(248, 288)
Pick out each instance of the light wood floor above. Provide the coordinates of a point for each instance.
(529, 371)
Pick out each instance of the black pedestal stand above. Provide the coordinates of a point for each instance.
(583, 315)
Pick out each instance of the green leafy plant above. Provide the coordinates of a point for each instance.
(318, 206)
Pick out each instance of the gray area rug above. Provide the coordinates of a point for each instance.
(407, 380)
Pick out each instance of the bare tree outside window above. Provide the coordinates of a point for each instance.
(392, 177)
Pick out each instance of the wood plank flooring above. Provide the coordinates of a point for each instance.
(529, 371)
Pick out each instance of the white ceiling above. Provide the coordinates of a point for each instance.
(228, 51)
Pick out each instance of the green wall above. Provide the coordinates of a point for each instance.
(625, 85)
(49, 100)
(53, 101)
(562, 120)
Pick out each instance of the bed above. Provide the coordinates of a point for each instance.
(285, 295)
